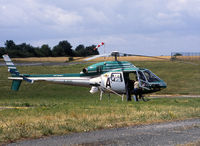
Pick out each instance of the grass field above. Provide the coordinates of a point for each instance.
(51, 109)
(42, 59)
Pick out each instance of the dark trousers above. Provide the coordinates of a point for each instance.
(137, 93)
(128, 93)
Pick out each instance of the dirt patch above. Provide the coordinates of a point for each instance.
(10, 107)
(173, 96)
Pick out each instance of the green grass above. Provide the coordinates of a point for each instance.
(52, 109)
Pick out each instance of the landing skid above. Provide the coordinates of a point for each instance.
(140, 98)
(143, 99)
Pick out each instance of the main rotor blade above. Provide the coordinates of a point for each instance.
(96, 56)
(125, 54)
(179, 61)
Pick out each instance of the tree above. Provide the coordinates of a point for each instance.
(2, 51)
(63, 49)
(12, 49)
(178, 54)
(10, 45)
(38, 53)
(80, 50)
(46, 50)
(27, 50)
(91, 51)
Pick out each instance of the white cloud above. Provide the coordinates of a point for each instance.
(29, 12)
(10, 15)
(189, 7)
(96, 16)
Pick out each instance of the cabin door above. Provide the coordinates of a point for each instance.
(117, 82)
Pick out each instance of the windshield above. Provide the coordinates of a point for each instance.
(150, 76)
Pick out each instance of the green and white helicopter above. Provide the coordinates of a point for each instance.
(115, 77)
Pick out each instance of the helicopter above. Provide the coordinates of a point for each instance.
(116, 77)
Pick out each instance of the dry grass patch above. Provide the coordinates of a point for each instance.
(43, 59)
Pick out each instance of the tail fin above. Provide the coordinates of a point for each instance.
(15, 73)
(15, 85)
(11, 67)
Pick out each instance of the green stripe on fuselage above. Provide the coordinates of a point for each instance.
(63, 75)
(108, 66)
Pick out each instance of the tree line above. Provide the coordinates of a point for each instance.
(63, 48)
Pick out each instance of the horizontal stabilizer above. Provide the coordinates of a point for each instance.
(26, 79)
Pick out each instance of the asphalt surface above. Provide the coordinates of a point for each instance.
(170, 133)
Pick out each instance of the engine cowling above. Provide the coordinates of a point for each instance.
(95, 81)
(85, 70)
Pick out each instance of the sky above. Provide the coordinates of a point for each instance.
(146, 27)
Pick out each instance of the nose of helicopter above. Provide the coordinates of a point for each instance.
(163, 84)
(157, 86)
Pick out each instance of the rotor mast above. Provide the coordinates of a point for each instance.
(115, 54)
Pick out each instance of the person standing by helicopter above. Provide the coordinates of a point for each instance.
(137, 90)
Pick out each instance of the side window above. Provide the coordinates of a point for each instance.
(116, 77)
(141, 76)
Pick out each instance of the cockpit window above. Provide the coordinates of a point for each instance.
(150, 76)
(141, 76)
